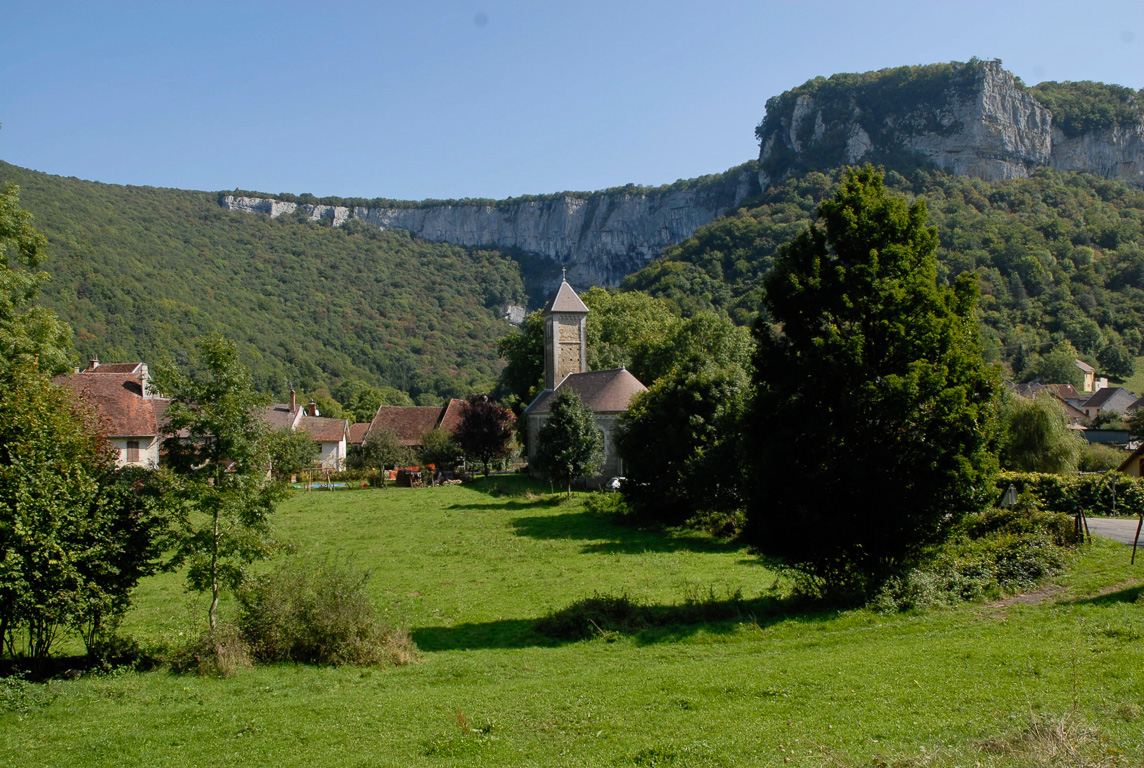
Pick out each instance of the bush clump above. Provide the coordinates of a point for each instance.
(219, 653)
(992, 553)
(317, 613)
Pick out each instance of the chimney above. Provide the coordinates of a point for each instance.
(94, 363)
(312, 408)
(293, 402)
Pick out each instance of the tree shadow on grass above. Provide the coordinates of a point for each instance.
(608, 538)
(510, 503)
(645, 624)
(1125, 595)
(509, 484)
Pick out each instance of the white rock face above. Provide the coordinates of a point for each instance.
(601, 238)
(996, 131)
(1114, 154)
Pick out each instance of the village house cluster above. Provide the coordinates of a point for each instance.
(133, 413)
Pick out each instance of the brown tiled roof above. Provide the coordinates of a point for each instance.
(451, 416)
(324, 429)
(410, 422)
(357, 433)
(1064, 391)
(116, 368)
(602, 391)
(118, 398)
(565, 300)
(279, 416)
(1060, 391)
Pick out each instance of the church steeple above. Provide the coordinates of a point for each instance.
(565, 339)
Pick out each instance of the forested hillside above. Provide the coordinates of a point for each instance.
(141, 272)
(1059, 256)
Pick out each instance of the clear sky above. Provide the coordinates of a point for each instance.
(475, 98)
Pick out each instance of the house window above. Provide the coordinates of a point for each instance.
(132, 451)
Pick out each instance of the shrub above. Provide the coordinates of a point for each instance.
(1060, 528)
(1101, 458)
(995, 552)
(607, 504)
(607, 615)
(317, 613)
(1074, 494)
(220, 652)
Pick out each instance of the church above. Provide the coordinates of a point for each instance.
(606, 393)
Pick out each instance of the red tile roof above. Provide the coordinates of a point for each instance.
(118, 398)
(410, 422)
(602, 391)
(357, 433)
(279, 416)
(451, 415)
(116, 368)
(323, 429)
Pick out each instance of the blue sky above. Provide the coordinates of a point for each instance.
(450, 99)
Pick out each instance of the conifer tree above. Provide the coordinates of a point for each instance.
(874, 411)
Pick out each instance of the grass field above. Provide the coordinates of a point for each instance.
(468, 572)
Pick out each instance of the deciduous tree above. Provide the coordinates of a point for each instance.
(27, 332)
(1036, 435)
(486, 430)
(383, 450)
(570, 445)
(217, 444)
(76, 534)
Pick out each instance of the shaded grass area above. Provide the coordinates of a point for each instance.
(470, 572)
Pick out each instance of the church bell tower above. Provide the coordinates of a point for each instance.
(565, 339)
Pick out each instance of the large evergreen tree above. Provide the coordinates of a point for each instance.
(874, 411)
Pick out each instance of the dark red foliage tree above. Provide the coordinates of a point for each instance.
(486, 430)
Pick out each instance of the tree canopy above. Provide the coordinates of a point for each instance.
(570, 445)
(873, 418)
(1036, 435)
(486, 430)
(28, 332)
(217, 442)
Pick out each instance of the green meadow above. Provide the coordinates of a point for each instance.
(1058, 675)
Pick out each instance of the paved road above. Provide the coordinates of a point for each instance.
(1118, 529)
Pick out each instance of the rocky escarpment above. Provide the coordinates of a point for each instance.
(974, 119)
(600, 237)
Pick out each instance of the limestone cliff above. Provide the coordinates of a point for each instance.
(975, 119)
(600, 236)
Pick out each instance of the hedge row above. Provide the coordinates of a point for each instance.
(1073, 494)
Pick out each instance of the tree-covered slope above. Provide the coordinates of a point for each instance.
(1059, 256)
(141, 272)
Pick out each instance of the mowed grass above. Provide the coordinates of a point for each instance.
(468, 572)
